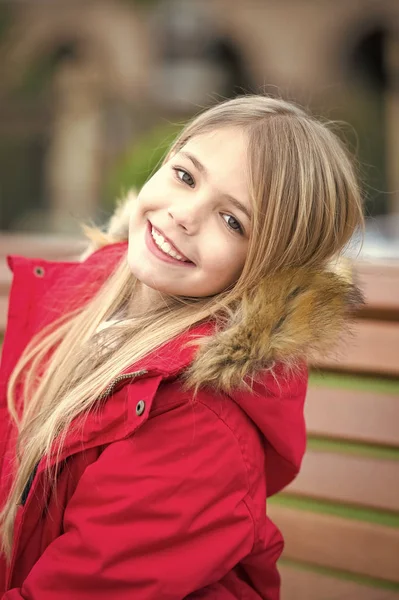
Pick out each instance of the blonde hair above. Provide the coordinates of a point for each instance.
(306, 206)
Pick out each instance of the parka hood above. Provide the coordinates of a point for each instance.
(260, 359)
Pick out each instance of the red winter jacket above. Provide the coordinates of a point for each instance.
(159, 497)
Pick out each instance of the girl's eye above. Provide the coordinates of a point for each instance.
(184, 176)
(233, 223)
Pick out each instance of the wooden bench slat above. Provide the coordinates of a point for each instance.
(40, 246)
(3, 313)
(345, 544)
(380, 284)
(360, 480)
(300, 584)
(5, 279)
(370, 417)
(373, 348)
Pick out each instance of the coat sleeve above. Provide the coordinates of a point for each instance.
(158, 515)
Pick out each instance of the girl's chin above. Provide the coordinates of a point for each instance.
(155, 280)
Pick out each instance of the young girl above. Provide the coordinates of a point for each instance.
(155, 390)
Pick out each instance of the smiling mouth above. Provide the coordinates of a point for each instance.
(165, 248)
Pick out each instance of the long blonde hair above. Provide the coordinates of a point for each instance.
(306, 206)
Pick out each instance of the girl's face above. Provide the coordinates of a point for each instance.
(189, 229)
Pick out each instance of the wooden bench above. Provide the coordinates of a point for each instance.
(340, 517)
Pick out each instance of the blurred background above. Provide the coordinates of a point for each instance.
(92, 92)
(91, 95)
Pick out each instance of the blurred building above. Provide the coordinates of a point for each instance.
(82, 80)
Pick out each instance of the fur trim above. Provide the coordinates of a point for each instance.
(117, 229)
(289, 318)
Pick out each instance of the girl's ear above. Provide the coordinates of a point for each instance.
(116, 230)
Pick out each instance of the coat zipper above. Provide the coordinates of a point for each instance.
(115, 381)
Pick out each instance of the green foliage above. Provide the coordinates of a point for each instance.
(5, 19)
(364, 109)
(136, 165)
(34, 81)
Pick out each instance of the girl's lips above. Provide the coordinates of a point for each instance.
(176, 249)
(153, 248)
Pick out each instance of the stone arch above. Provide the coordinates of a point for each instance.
(96, 52)
(114, 38)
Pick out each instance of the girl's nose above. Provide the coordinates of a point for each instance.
(186, 217)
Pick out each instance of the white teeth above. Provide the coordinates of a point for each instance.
(165, 246)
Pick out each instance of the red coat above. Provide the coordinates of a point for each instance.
(158, 497)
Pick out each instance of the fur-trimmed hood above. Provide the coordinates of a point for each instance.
(289, 319)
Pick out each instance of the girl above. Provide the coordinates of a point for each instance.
(155, 389)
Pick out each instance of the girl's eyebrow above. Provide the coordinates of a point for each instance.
(197, 164)
(202, 169)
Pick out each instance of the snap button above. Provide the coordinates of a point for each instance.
(38, 271)
(140, 408)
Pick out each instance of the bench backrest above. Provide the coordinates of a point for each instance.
(340, 517)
